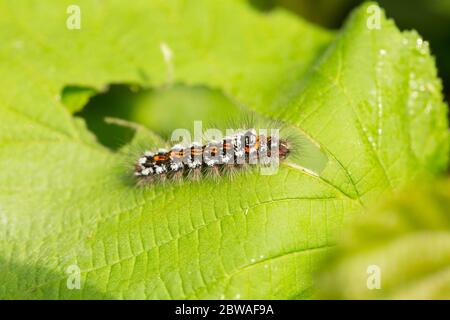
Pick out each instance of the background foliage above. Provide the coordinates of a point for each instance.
(407, 238)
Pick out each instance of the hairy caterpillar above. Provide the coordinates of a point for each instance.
(237, 151)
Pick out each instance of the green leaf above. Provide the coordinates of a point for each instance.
(407, 239)
(63, 196)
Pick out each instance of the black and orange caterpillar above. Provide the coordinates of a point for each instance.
(233, 152)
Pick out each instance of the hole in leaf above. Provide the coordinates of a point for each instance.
(160, 109)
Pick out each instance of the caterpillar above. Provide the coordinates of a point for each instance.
(237, 151)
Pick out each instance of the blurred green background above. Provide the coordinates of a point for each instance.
(431, 18)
